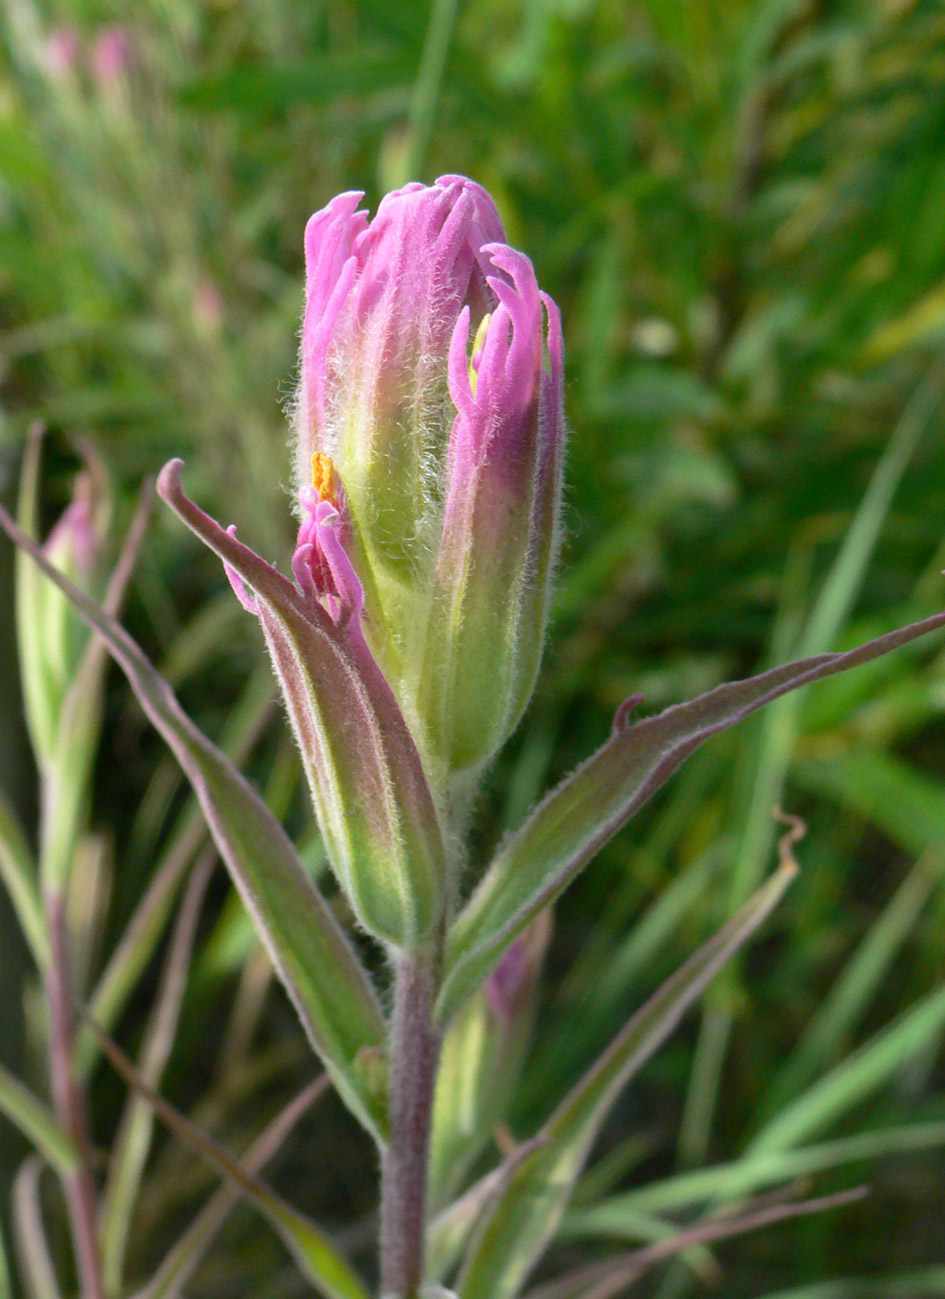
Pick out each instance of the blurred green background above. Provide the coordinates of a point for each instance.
(740, 209)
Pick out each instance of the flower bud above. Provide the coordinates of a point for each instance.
(374, 807)
(448, 451)
(50, 633)
(482, 1057)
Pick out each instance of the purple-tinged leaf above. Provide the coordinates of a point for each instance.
(524, 1217)
(29, 1233)
(374, 805)
(565, 831)
(317, 1258)
(180, 1260)
(319, 968)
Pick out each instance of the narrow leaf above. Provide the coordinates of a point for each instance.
(179, 1261)
(316, 1256)
(925, 1283)
(525, 1216)
(78, 722)
(133, 1142)
(37, 1123)
(318, 966)
(32, 1248)
(18, 875)
(857, 1076)
(6, 1285)
(449, 1232)
(39, 692)
(608, 1279)
(592, 804)
(615, 1216)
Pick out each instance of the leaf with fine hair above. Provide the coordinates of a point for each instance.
(318, 966)
(383, 839)
(515, 1231)
(590, 806)
(143, 931)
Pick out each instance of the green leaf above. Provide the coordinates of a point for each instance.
(925, 1283)
(863, 976)
(525, 1215)
(449, 1232)
(36, 1123)
(40, 692)
(78, 723)
(617, 1216)
(375, 809)
(314, 81)
(180, 1260)
(322, 974)
(855, 1077)
(18, 874)
(311, 1248)
(592, 804)
(35, 1261)
(6, 1285)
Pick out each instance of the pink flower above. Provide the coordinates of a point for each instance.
(62, 50)
(110, 54)
(431, 380)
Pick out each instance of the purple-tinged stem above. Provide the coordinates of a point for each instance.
(79, 1185)
(414, 1049)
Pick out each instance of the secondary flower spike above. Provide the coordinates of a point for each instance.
(374, 806)
(431, 381)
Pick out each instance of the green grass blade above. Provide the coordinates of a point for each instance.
(6, 1284)
(925, 1283)
(906, 804)
(318, 966)
(129, 1150)
(426, 89)
(769, 763)
(863, 975)
(36, 1123)
(856, 1077)
(616, 1216)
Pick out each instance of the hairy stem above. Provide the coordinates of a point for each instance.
(79, 1185)
(414, 1049)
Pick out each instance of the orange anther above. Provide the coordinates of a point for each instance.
(323, 476)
